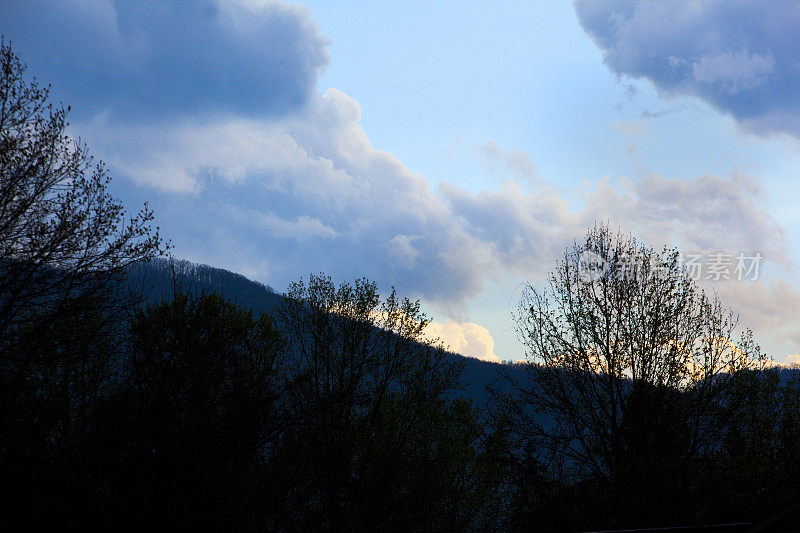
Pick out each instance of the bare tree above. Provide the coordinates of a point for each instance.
(630, 367)
(63, 237)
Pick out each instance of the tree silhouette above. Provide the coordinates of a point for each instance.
(200, 407)
(631, 368)
(65, 244)
(379, 438)
(63, 238)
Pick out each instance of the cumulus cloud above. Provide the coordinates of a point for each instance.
(526, 230)
(277, 198)
(210, 110)
(153, 60)
(741, 57)
(311, 192)
(523, 231)
(700, 214)
(464, 338)
(767, 308)
(306, 191)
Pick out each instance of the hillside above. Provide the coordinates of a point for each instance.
(157, 279)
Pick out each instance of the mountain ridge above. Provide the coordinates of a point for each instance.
(158, 279)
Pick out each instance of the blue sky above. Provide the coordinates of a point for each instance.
(451, 148)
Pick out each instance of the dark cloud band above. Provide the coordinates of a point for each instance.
(151, 60)
(739, 56)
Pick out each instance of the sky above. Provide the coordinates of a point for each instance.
(453, 150)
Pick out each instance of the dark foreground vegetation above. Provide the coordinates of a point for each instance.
(131, 401)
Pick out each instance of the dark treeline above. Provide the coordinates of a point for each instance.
(328, 415)
(138, 394)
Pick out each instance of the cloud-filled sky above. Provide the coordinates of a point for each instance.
(451, 150)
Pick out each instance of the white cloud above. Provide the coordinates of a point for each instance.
(770, 309)
(700, 214)
(464, 338)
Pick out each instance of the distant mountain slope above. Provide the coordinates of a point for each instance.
(157, 279)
